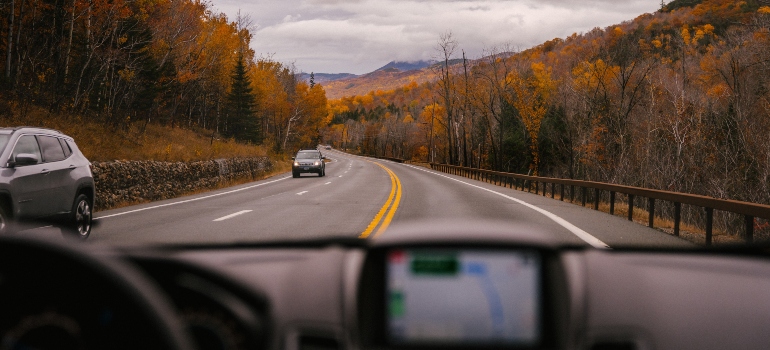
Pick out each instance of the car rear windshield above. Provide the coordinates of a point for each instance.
(308, 155)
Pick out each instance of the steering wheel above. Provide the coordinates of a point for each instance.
(59, 296)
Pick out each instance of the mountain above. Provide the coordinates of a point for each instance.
(323, 78)
(393, 75)
(406, 65)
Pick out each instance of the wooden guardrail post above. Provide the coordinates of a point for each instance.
(677, 217)
(749, 229)
(651, 208)
(709, 225)
(612, 202)
(630, 207)
(597, 195)
(585, 195)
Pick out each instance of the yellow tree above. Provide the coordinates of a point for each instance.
(434, 117)
(532, 97)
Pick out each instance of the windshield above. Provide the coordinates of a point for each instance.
(635, 124)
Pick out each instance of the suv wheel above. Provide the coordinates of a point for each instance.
(294, 174)
(79, 225)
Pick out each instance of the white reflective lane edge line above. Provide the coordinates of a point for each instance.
(232, 215)
(327, 183)
(585, 236)
(190, 200)
(301, 193)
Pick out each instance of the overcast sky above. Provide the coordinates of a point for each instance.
(359, 36)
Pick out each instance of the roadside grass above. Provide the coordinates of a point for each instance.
(138, 141)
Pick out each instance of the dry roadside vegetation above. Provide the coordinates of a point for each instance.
(140, 142)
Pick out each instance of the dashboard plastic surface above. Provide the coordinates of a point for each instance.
(331, 294)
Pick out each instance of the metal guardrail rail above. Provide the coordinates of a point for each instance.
(750, 211)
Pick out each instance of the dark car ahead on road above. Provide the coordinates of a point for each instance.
(308, 161)
(44, 177)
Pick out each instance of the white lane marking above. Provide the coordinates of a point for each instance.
(587, 237)
(327, 183)
(339, 176)
(190, 200)
(232, 215)
(301, 193)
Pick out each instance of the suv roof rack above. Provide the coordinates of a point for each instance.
(16, 128)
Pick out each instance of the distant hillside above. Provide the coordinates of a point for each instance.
(323, 78)
(407, 66)
(387, 79)
(391, 76)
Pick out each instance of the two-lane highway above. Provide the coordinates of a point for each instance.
(342, 203)
(359, 197)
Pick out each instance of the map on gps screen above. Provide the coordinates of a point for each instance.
(464, 296)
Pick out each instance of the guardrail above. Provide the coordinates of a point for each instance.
(750, 211)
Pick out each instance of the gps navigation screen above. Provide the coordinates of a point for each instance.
(463, 296)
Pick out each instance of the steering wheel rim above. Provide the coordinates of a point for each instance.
(111, 304)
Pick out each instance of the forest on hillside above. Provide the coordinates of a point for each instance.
(126, 64)
(676, 100)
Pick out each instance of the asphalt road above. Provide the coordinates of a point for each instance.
(358, 197)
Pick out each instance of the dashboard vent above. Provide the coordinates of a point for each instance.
(318, 343)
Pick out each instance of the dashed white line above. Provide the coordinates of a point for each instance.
(191, 200)
(585, 236)
(301, 193)
(232, 215)
(327, 183)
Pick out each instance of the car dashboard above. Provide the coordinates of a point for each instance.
(419, 286)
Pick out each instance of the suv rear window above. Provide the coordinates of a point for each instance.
(66, 147)
(52, 151)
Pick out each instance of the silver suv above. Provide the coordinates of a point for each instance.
(44, 178)
(308, 161)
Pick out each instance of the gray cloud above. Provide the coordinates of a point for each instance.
(358, 36)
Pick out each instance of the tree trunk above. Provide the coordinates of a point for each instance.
(9, 49)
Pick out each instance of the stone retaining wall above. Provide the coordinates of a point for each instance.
(136, 181)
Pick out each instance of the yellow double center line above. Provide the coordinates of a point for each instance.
(385, 215)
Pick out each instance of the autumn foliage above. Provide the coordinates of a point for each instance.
(677, 100)
(127, 64)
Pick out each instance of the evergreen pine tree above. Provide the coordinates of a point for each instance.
(243, 123)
